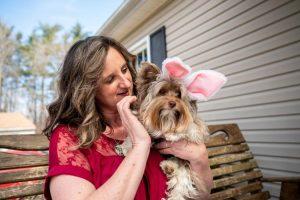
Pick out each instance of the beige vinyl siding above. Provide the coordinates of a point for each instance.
(256, 43)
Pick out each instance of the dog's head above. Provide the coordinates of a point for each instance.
(164, 103)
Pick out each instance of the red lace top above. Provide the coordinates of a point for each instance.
(98, 163)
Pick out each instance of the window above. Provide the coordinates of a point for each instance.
(142, 51)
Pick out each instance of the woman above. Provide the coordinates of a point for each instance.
(91, 116)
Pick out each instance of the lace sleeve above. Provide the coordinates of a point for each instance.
(64, 159)
(66, 153)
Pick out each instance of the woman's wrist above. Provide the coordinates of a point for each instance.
(145, 141)
(202, 173)
(144, 144)
(197, 164)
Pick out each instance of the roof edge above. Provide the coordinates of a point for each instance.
(129, 16)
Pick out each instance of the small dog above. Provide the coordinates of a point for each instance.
(168, 110)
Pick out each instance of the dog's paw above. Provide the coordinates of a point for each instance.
(169, 167)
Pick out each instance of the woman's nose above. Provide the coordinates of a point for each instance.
(125, 82)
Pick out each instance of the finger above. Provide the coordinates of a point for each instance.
(121, 103)
(126, 107)
(128, 102)
(124, 104)
(186, 143)
(128, 119)
(166, 151)
(163, 145)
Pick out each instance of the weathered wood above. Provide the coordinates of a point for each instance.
(9, 161)
(224, 135)
(238, 178)
(23, 174)
(238, 191)
(229, 158)
(290, 191)
(31, 188)
(234, 168)
(35, 197)
(231, 162)
(24, 142)
(227, 149)
(257, 196)
(282, 179)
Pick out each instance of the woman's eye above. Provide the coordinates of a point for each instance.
(110, 79)
(124, 69)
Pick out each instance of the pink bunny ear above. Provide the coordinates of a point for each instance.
(204, 84)
(174, 67)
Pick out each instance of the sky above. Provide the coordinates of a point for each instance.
(25, 15)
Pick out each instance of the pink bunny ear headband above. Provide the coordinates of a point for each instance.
(201, 85)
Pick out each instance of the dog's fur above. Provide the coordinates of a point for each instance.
(166, 111)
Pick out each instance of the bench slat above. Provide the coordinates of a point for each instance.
(236, 179)
(234, 168)
(35, 197)
(233, 192)
(258, 196)
(24, 174)
(229, 158)
(9, 161)
(227, 149)
(31, 188)
(24, 142)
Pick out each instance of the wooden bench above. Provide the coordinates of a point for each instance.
(235, 171)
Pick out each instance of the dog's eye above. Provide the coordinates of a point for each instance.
(162, 92)
(178, 94)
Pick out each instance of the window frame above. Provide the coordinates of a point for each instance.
(139, 46)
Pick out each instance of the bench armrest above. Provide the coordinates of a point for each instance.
(290, 186)
(281, 179)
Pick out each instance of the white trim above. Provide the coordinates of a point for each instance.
(148, 48)
(139, 46)
(130, 15)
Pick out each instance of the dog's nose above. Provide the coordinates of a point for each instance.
(172, 104)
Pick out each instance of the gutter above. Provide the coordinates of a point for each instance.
(129, 16)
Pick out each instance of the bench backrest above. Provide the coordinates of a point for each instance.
(235, 171)
(236, 174)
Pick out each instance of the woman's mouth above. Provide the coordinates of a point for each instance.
(123, 93)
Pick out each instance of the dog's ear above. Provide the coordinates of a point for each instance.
(146, 75)
(148, 72)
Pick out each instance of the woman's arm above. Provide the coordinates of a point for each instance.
(122, 185)
(202, 174)
(125, 181)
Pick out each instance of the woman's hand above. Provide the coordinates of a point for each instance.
(192, 152)
(197, 155)
(136, 131)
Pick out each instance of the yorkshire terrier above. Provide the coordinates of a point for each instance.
(168, 110)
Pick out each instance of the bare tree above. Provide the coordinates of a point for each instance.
(39, 53)
(8, 72)
(43, 54)
(28, 68)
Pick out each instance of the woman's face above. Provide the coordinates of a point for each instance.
(115, 81)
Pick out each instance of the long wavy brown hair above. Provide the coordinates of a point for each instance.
(77, 84)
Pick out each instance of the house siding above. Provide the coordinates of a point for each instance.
(256, 43)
